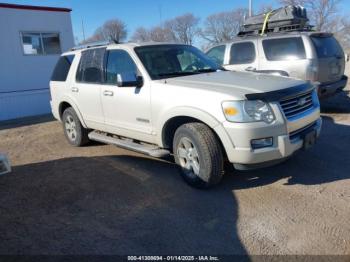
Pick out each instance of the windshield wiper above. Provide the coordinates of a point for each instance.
(206, 70)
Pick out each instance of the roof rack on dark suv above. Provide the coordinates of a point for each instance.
(285, 19)
(281, 29)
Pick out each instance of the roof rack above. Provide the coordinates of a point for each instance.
(280, 29)
(94, 44)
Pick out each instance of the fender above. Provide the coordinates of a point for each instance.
(70, 101)
(202, 116)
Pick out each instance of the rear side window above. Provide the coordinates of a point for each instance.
(327, 47)
(217, 54)
(90, 68)
(119, 62)
(61, 70)
(284, 49)
(242, 53)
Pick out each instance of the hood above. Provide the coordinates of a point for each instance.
(238, 84)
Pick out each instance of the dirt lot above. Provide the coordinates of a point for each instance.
(104, 200)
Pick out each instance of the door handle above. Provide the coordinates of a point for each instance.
(108, 93)
(250, 69)
(75, 89)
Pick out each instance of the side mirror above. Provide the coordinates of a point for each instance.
(129, 79)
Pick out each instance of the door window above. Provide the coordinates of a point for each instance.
(91, 66)
(119, 62)
(242, 53)
(217, 54)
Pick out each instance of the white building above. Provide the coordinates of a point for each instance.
(31, 40)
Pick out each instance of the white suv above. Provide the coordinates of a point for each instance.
(162, 99)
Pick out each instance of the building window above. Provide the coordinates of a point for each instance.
(41, 43)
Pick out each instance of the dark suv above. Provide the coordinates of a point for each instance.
(313, 56)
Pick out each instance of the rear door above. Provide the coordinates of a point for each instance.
(330, 57)
(86, 88)
(243, 56)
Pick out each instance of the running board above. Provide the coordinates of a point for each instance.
(4, 165)
(129, 144)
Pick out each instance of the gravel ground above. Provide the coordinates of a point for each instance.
(104, 200)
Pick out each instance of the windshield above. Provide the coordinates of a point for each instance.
(164, 61)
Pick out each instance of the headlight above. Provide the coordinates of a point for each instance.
(248, 111)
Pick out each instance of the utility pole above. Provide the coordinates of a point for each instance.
(83, 29)
(250, 8)
(160, 14)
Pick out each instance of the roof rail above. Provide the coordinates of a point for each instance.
(94, 44)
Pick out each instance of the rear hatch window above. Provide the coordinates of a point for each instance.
(283, 49)
(327, 47)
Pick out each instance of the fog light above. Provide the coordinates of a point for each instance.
(261, 143)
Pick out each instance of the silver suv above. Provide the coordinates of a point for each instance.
(312, 56)
(169, 99)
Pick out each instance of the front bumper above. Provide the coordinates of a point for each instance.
(286, 141)
(327, 90)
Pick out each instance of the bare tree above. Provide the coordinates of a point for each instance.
(161, 34)
(141, 34)
(183, 29)
(223, 26)
(321, 12)
(325, 16)
(114, 30)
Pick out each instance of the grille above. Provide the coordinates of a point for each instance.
(297, 105)
(297, 134)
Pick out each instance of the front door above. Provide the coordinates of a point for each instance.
(127, 110)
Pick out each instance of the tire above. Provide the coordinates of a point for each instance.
(201, 166)
(75, 133)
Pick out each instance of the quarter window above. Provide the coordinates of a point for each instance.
(41, 43)
(119, 62)
(61, 70)
(291, 48)
(90, 68)
(242, 53)
(217, 54)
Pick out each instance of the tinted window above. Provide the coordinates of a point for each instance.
(327, 47)
(242, 53)
(164, 61)
(91, 66)
(61, 70)
(217, 54)
(119, 62)
(284, 49)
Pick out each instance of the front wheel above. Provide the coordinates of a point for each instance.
(198, 153)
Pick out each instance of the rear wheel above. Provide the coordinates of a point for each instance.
(199, 155)
(75, 133)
